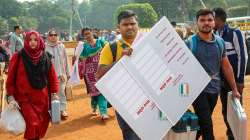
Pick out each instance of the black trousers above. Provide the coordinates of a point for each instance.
(223, 97)
(204, 106)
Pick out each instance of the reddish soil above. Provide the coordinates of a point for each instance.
(82, 126)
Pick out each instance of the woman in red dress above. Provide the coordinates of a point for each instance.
(31, 80)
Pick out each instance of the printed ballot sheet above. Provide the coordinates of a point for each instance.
(130, 100)
(161, 71)
(167, 70)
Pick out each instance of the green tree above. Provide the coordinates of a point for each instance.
(181, 10)
(57, 22)
(66, 4)
(10, 8)
(100, 12)
(4, 27)
(43, 14)
(28, 22)
(44, 11)
(13, 21)
(147, 16)
(171, 9)
(85, 11)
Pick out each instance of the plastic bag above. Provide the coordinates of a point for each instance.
(74, 76)
(12, 121)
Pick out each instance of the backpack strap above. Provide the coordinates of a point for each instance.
(113, 48)
(220, 44)
(193, 43)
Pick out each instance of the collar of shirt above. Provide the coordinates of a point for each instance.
(224, 30)
(122, 41)
(19, 35)
(211, 41)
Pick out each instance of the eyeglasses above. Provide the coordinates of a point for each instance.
(53, 35)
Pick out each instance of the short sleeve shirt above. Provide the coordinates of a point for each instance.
(106, 57)
(209, 56)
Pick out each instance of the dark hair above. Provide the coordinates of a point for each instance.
(85, 29)
(220, 13)
(16, 27)
(52, 30)
(126, 14)
(173, 23)
(203, 12)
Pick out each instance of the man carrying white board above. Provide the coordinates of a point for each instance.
(128, 26)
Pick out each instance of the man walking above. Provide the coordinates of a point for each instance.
(16, 40)
(237, 55)
(128, 26)
(209, 50)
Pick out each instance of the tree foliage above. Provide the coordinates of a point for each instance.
(147, 16)
(45, 14)
(185, 10)
(10, 8)
(100, 13)
(4, 26)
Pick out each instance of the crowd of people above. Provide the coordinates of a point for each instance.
(38, 69)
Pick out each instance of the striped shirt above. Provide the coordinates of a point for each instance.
(236, 51)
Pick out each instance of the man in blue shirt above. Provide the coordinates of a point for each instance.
(209, 50)
(237, 54)
(16, 40)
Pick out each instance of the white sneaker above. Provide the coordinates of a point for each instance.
(94, 113)
(105, 117)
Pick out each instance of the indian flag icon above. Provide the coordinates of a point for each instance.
(184, 89)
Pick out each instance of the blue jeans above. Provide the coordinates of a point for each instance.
(127, 132)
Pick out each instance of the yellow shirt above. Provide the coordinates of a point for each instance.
(106, 57)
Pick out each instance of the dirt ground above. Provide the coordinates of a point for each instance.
(82, 126)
